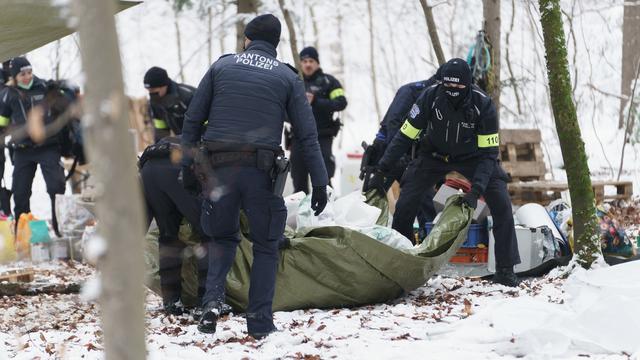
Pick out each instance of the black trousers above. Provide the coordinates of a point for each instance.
(249, 189)
(425, 172)
(427, 211)
(299, 170)
(26, 161)
(168, 202)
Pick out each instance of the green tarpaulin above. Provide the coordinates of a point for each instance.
(26, 25)
(336, 267)
(331, 267)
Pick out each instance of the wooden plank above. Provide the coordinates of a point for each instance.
(25, 275)
(520, 136)
(512, 155)
(524, 168)
(538, 155)
(624, 189)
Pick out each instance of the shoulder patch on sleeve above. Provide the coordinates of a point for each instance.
(292, 68)
(415, 111)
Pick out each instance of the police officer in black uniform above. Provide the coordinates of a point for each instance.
(461, 134)
(246, 98)
(27, 93)
(169, 203)
(405, 97)
(326, 96)
(168, 102)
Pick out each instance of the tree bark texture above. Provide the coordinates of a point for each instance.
(586, 229)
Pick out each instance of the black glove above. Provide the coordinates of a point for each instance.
(319, 199)
(379, 146)
(471, 199)
(377, 182)
(189, 180)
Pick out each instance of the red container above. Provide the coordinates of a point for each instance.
(470, 256)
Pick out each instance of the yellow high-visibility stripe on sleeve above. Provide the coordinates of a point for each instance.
(336, 93)
(160, 124)
(409, 130)
(4, 121)
(491, 140)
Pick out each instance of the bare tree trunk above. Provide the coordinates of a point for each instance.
(337, 46)
(630, 120)
(119, 208)
(178, 44)
(293, 41)
(223, 28)
(374, 78)
(630, 52)
(210, 35)
(433, 31)
(512, 78)
(57, 65)
(586, 229)
(491, 11)
(314, 25)
(244, 7)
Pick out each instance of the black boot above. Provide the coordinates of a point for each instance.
(173, 308)
(209, 318)
(197, 312)
(505, 276)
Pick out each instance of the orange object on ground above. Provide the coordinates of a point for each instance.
(23, 235)
(470, 256)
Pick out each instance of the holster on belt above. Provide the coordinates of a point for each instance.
(270, 160)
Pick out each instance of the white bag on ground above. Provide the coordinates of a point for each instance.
(352, 211)
(305, 217)
(292, 202)
(387, 236)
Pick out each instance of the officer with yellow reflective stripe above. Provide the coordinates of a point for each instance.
(168, 102)
(461, 134)
(326, 96)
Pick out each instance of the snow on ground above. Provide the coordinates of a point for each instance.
(592, 314)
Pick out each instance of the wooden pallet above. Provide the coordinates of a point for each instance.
(17, 275)
(521, 154)
(545, 191)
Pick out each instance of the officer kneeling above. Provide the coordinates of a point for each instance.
(245, 98)
(461, 127)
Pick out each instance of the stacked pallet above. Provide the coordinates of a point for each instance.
(543, 192)
(17, 275)
(521, 154)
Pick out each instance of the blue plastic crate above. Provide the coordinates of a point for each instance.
(478, 234)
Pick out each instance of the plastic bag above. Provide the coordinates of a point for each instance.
(352, 211)
(292, 202)
(7, 246)
(387, 236)
(39, 232)
(305, 217)
(72, 217)
(23, 235)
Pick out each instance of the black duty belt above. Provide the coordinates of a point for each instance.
(226, 154)
(450, 158)
(233, 158)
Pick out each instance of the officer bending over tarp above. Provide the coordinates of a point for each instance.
(461, 134)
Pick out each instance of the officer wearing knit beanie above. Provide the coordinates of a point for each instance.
(168, 102)
(309, 53)
(18, 65)
(264, 27)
